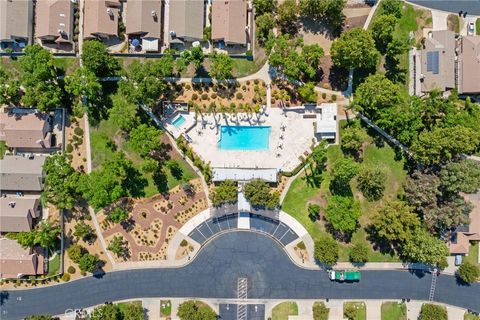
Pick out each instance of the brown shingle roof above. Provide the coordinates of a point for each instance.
(470, 65)
(16, 261)
(443, 44)
(229, 20)
(25, 130)
(16, 17)
(54, 18)
(21, 173)
(100, 18)
(187, 19)
(16, 213)
(144, 18)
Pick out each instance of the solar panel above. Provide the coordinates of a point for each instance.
(432, 62)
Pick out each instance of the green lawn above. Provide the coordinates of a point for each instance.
(244, 67)
(477, 26)
(68, 65)
(283, 310)
(54, 265)
(394, 311)
(122, 305)
(469, 316)
(361, 313)
(3, 148)
(102, 143)
(473, 253)
(165, 308)
(301, 193)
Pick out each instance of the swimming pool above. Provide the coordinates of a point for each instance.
(178, 121)
(244, 138)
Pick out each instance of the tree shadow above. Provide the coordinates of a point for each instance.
(160, 180)
(340, 188)
(134, 183)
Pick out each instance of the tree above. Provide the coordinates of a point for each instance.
(424, 248)
(95, 58)
(312, 54)
(60, 182)
(265, 24)
(117, 245)
(225, 192)
(258, 193)
(264, 6)
(118, 215)
(313, 211)
(307, 92)
(39, 79)
(319, 156)
(371, 181)
(45, 235)
(132, 311)
(145, 138)
(395, 223)
(106, 312)
(468, 272)
(435, 147)
(75, 252)
(194, 55)
(355, 49)
(326, 250)
(382, 28)
(9, 88)
(327, 10)
(195, 310)
(342, 213)
(352, 140)
(123, 113)
(320, 311)
(433, 312)
(221, 67)
(376, 95)
(82, 230)
(116, 178)
(83, 83)
(392, 7)
(88, 262)
(43, 317)
(359, 253)
(462, 176)
(344, 170)
(287, 17)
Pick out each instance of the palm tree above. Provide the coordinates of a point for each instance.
(46, 235)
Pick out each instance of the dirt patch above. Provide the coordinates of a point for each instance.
(332, 77)
(355, 22)
(75, 143)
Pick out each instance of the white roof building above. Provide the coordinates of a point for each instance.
(244, 174)
(327, 125)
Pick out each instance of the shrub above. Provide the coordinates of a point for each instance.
(183, 243)
(326, 250)
(358, 253)
(69, 148)
(256, 81)
(371, 181)
(66, 277)
(334, 97)
(320, 311)
(468, 272)
(433, 312)
(324, 95)
(204, 96)
(249, 53)
(301, 245)
(239, 95)
(188, 87)
(214, 95)
(78, 131)
(71, 270)
(75, 252)
(194, 96)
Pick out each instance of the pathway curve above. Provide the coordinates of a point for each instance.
(214, 273)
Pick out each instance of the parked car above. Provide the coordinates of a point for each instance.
(471, 29)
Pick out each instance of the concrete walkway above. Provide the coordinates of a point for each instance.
(439, 20)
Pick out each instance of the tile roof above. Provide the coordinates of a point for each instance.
(16, 213)
(54, 18)
(144, 17)
(19, 173)
(187, 18)
(16, 18)
(100, 18)
(229, 20)
(27, 130)
(470, 65)
(16, 261)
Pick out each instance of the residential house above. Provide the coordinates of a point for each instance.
(144, 21)
(20, 174)
(186, 21)
(54, 21)
(17, 213)
(460, 242)
(28, 132)
(16, 23)
(438, 61)
(17, 262)
(469, 65)
(327, 125)
(229, 22)
(101, 19)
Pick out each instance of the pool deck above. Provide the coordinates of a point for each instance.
(285, 145)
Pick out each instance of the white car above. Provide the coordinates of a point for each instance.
(471, 29)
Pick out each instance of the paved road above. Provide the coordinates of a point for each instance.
(470, 6)
(214, 273)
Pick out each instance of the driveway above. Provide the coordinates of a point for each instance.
(439, 20)
(470, 6)
(214, 274)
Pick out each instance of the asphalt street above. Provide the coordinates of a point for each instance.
(214, 273)
(472, 7)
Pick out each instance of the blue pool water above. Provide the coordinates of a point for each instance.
(178, 121)
(244, 138)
